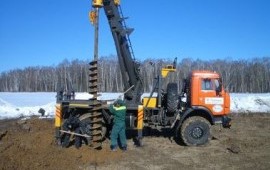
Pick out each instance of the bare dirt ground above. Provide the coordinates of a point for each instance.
(30, 145)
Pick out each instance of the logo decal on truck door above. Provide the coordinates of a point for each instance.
(214, 100)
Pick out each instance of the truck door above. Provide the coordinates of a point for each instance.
(211, 96)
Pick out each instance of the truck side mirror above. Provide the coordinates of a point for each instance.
(218, 84)
(219, 88)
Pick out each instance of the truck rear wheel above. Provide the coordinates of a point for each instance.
(92, 124)
(195, 131)
(172, 98)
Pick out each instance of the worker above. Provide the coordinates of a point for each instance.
(118, 110)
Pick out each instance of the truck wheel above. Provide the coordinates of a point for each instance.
(172, 98)
(93, 125)
(195, 131)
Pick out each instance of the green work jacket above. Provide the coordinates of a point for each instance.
(119, 113)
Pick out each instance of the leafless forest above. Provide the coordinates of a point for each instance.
(238, 75)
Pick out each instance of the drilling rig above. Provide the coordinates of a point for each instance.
(190, 113)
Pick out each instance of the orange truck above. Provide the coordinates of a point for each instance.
(190, 113)
(203, 102)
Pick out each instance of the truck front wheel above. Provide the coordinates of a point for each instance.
(195, 131)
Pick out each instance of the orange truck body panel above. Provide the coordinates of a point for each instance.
(203, 93)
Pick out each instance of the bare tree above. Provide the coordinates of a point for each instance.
(238, 75)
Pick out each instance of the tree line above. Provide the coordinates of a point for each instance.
(240, 76)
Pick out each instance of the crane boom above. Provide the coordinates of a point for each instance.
(128, 65)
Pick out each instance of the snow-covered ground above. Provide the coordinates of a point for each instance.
(14, 105)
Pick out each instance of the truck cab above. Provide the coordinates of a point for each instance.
(207, 92)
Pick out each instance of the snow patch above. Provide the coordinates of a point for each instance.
(250, 103)
(13, 105)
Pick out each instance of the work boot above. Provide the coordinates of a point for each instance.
(113, 148)
(124, 148)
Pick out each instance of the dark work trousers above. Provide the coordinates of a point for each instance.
(119, 130)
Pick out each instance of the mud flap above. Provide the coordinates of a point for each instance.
(226, 122)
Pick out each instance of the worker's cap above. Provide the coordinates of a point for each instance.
(120, 102)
